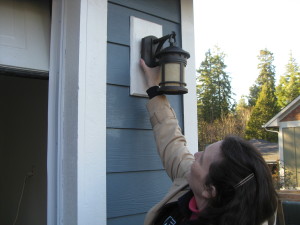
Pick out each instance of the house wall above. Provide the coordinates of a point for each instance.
(294, 115)
(23, 144)
(291, 153)
(135, 177)
(289, 144)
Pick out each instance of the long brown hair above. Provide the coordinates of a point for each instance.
(251, 203)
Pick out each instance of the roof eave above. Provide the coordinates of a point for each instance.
(274, 122)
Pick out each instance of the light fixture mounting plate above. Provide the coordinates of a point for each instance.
(148, 50)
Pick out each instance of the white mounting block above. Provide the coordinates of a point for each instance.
(139, 29)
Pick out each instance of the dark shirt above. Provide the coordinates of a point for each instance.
(175, 212)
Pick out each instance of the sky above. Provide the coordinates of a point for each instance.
(241, 29)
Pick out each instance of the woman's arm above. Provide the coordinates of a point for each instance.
(171, 144)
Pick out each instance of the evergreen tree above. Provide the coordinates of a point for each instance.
(214, 88)
(289, 83)
(242, 112)
(266, 104)
(267, 74)
(254, 92)
(263, 111)
(242, 104)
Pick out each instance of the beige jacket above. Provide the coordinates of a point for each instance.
(171, 146)
(175, 156)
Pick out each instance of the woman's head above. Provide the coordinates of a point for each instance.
(199, 172)
(251, 201)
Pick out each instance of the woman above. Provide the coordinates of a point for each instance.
(227, 184)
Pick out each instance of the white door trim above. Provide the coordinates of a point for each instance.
(190, 99)
(77, 113)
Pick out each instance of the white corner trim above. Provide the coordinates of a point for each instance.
(76, 151)
(91, 175)
(190, 99)
(280, 144)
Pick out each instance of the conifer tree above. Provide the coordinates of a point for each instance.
(214, 88)
(267, 74)
(266, 104)
(289, 83)
(264, 109)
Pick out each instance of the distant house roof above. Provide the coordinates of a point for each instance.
(274, 122)
(269, 150)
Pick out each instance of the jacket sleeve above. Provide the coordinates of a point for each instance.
(171, 144)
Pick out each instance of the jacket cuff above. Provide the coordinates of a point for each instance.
(153, 91)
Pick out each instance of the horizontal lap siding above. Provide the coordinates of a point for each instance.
(135, 177)
(131, 150)
(127, 220)
(167, 9)
(118, 29)
(124, 111)
(136, 192)
(118, 64)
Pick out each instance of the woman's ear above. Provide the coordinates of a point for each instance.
(209, 192)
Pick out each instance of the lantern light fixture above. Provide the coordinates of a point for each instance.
(171, 59)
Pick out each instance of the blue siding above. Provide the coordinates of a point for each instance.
(136, 192)
(127, 220)
(125, 111)
(167, 9)
(131, 150)
(118, 68)
(119, 23)
(135, 177)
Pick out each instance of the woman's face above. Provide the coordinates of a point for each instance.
(200, 167)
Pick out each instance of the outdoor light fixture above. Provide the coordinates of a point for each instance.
(172, 61)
